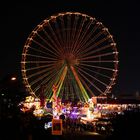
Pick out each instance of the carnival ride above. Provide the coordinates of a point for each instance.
(73, 52)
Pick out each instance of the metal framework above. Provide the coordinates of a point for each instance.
(73, 51)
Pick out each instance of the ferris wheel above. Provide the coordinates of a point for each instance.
(73, 51)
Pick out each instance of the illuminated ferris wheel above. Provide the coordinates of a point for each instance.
(73, 51)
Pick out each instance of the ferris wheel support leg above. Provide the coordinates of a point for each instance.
(85, 95)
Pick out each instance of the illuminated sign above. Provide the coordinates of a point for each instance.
(56, 126)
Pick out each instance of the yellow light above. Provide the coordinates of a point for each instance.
(13, 78)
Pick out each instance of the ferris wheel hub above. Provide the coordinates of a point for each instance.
(70, 59)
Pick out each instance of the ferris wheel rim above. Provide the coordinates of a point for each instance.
(47, 21)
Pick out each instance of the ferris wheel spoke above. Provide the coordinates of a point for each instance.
(98, 67)
(43, 57)
(55, 37)
(52, 65)
(63, 28)
(101, 61)
(68, 27)
(89, 46)
(93, 35)
(85, 30)
(57, 28)
(41, 62)
(95, 56)
(91, 83)
(54, 47)
(59, 49)
(92, 44)
(87, 38)
(48, 82)
(53, 78)
(37, 67)
(93, 71)
(55, 52)
(52, 75)
(78, 33)
(111, 46)
(48, 67)
(60, 32)
(40, 72)
(91, 76)
(42, 52)
(45, 40)
(86, 86)
(73, 32)
(40, 78)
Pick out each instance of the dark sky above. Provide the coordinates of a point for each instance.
(121, 17)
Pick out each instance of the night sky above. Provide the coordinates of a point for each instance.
(121, 17)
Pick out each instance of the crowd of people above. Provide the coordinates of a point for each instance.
(25, 126)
